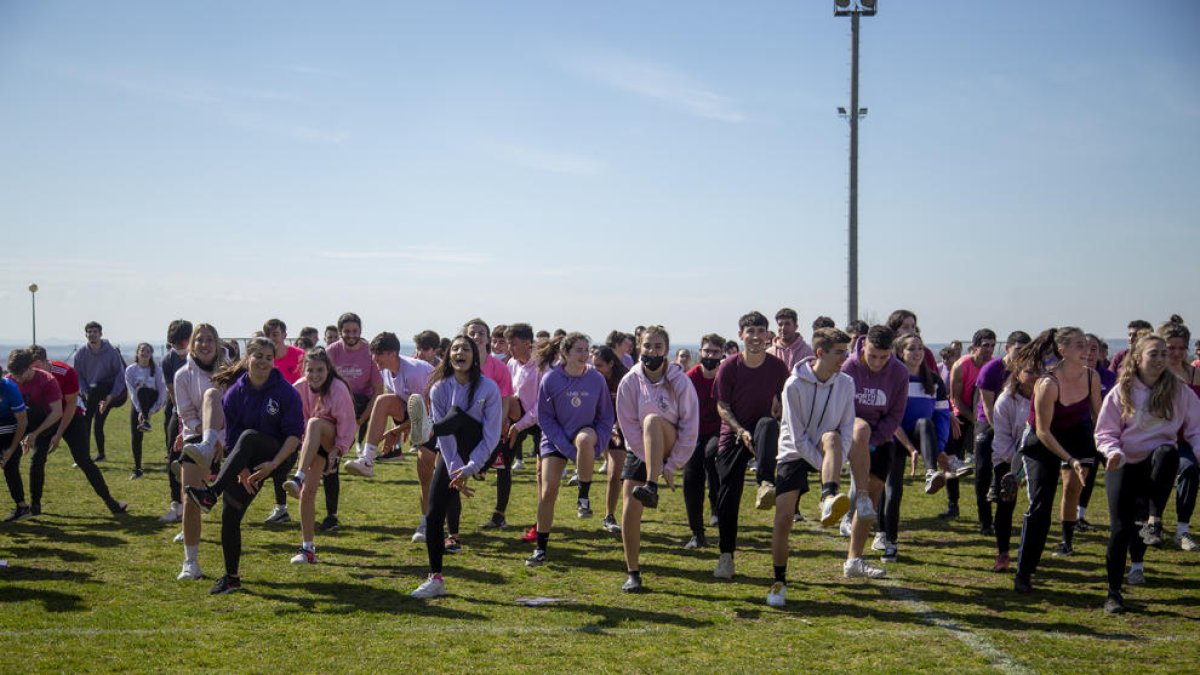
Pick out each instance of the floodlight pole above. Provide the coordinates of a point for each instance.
(854, 10)
(33, 289)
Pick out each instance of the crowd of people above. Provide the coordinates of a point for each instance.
(867, 401)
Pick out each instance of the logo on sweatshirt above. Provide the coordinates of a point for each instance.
(576, 398)
(872, 397)
(272, 406)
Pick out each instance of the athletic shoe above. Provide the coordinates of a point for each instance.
(633, 584)
(987, 530)
(293, 486)
(764, 499)
(202, 497)
(279, 515)
(19, 513)
(610, 524)
(1062, 550)
(647, 495)
(1082, 525)
(496, 522)
(866, 510)
(1136, 577)
(1187, 541)
(226, 584)
(305, 557)
(603, 468)
(118, 508)
(1114, 603)
(890, 553)
(178, 538)
(330, 524)
(724, 568)
(419, 535)
(798, 517)
(1151, 534)
(1002, 561)
(100, 457)
(934, 481)
(585, 508)
(777, 596)
(697, 541)
(360, 467)
(421, 426)
(452, 545)
(396, 454)
(173, 514)
(518, 465)
(1022, 585)
(713, 520)
(201, 453)
(847, 526)
(880, 543)
(536, 559)
(950, 513)
(859, 567)
(433, 587)
(530, 535)
(992, 495)
(959, 468)
(1008, 488)
(833, 508)
(190, 572)
(145, 427)
(137, 473)
(574, 479)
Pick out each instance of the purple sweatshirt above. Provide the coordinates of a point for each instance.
(104, 366)
(274, 409)
(486, 408)
(879, 398)
(567, 404)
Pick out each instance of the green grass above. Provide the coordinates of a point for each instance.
(85, 591)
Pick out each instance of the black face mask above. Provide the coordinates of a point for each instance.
(710, 362)
(652, 362)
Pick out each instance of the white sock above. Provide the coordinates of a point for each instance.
(210, 437)
(1137, 567)
(422, 520)
(1080, 512)
(299, 475)
(190, 553)
(1181, 529)
(369, 451)
(309, 546)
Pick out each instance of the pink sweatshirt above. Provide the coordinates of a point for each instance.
(673, 398)
(792, 354)
(191, 381)
(525, 380)
(337, 406)
(1134, 439)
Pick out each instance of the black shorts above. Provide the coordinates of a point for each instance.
(361, 402)
(555, 454)
(881, 459)
(635, 469)
(792, 476)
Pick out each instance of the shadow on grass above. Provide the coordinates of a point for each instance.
(344, 598)
(66, 555)
(52, 601)
(47, 532)
(325, 549)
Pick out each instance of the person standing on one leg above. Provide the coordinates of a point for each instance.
(40, 413)
(963, 377)
(352, 358)
(526, 371)
(101, 372)
(701, 469)
(1008, 420)
(608, 364)
(147, 395)
(988, 383)
(289, 361)
(179, 336)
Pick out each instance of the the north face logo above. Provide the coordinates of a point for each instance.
(272, 407)
(872, 397)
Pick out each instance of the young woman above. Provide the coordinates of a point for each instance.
(923, 432)
(147, 395)
(1177, 336)
(608, 363)
(1009, 417)
(1065, 404)
(659, 415)
(576, 416)
(1139, 423)
(1107, 379)
(467, 413)
(329, 428)
(264, 421)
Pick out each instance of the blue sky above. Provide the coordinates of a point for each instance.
(594, 165)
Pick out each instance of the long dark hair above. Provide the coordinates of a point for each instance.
(229, 374)
(444, 370)
(928, 377)
(147, 345)
(552, 350)
(618, 369)
(319, 354)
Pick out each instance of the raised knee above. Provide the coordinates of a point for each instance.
(862, 431)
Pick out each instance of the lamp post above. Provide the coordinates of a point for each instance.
(853, 9)
(33, 300)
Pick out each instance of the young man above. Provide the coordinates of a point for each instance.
(353, 361)
(790, 346)
(748, 387)
(331, 335)
(963, 377)
(426, 344)
(289, 361)
(43, 401)
(179, 336)
(989, 383)
(101, 372)
(307, 338)
(1133, 328)
(816, 434)
(702, 466)
(523, 368)
(500, 343)
(880, 396)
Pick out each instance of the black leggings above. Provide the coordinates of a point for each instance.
(700, 469)
(984, 435)
(958, 448)
(1188, 485)
(731, 476)
(889, 515)
(1042, 471)
(1085, 495)
(173, 431)
(1131, 489)
(508, 455)
(445, 505)
(93, 416)
(146, 399)
(926, 442)
(1004, 512)
(76, 438)
(252, 448)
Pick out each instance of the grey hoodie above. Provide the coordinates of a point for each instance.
(811, 409)
(101, 367)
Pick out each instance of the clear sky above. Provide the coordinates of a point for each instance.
(594, 165)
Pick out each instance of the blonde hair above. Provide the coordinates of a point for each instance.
(1162, 392)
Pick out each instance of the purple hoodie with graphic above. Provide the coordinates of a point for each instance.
(879, 398)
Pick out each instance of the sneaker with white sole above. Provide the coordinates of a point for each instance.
(360, 467)
(1187, 541)
(934, 481)
(610, 524)
(890, 553)
(866, 510)
(306, 556)
(432, 587)
(847, 526)
(880, 543)
(178, 538)
(518, 465)
(537, 559)
(279, 515)
(293, 486)
(173, 514)
(764, 499)
(860, 568)
(419, 535)
(584, 508)
(190, 572)
(1136, 577)
(833, 507)
(603, 468)
(201, 453)
(777, 596)
(724, 568)
(959, 468)
(574, 479)
(421, 426)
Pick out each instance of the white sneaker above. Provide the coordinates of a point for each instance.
(574, 479)
(603, 467)
(178, 538)
(279, 514)
(847, 527)
(880, 543)
(764, 498)
(305, 557)
(724, 568)
(866, 510)
(433, 587)
(1187, 541)
(518, 465)
(190, 572)
(419, 536)
(777, 596)
(859, 567)
(833, 508)
(959, 468)
(201, 453)
(173, 514)
(1136, 577)
(421, 426)
(360, 467)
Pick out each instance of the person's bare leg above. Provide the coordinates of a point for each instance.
(860, 469)
(1072, 487)
(862, 527)
(631, 527)
(385, 408)
(192, 475)
(585, 457)
(313, 438)
(785, 509)
(659, 437)
(616, 464)
(549, 480)
(426, 461)
(308, 498)
(831, 461)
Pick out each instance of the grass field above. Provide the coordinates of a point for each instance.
(85, 591)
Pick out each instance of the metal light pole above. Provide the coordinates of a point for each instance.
(853, 9)
(33, 299)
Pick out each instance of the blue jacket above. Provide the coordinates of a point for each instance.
(923, 406)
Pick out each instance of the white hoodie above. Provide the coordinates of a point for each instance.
(811, 409)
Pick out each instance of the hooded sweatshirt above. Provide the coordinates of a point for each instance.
(673, 398)
(1008, 417)
(1134, 439)
(137, 377)
(790, 354)
(104, 366)
(336, 406)
(486, 408)
(879, 398)
(191, 381)
(567, 404)
(274, 409)
(812, 408)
